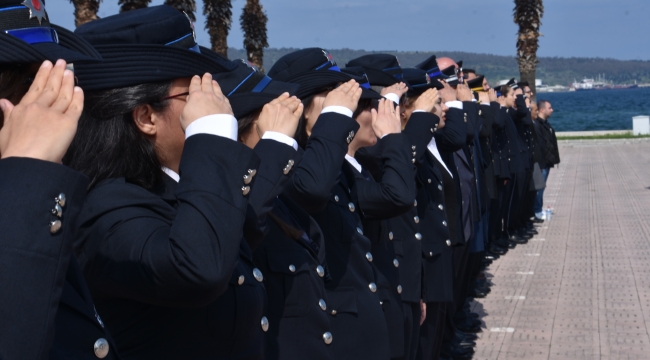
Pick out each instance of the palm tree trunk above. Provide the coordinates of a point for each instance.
(128, 5)
(85, 11)
(218, 16)
(528, 15)
(253, 22)
(186, 6)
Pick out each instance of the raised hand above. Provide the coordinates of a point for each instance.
(205, 99)
(44, 123)
(399, 89)
(427, 101)
(386, 120)
(448, 94)
(492, 95)
(347, 95)
(483, 97)
(463, 93)
(280, 115)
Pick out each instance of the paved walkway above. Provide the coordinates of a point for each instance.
(581, 288)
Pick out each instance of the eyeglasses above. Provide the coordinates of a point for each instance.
(175, 96)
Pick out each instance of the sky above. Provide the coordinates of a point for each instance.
(582, 28)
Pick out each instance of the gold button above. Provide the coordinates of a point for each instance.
(58, 211)
(245, 190)
(247, 179)
(61, 201)
(55, 226)
(252, 172)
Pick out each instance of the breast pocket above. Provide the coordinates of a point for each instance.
(342, 300)
(293, 267)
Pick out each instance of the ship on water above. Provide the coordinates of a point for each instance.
(599, 84)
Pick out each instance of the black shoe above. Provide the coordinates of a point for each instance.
(470, 329)
(505, 243)
(532, 232)
(490, 257)
(466, 344)
(523, 234)
(497, 250)
(517, 239)
(465, 336)
(537, 220)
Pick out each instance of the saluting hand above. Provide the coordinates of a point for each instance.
(483, 97)
(44, 123)
(386, 120)
(280, 115)
(492, 95)
(427, 101)
(347, 95)
(399, 89)
(463, 93)
(205, 99)
(448, 94)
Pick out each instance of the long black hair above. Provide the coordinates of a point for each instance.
(108, 143)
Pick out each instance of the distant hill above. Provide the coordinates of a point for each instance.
(552, 70)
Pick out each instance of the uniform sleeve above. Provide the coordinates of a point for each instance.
(522, 113)
(499, 119)
(419, 130)
(395, 194)
(35, 256)
(277, 161)
(318, 172)
(453, 136)
(150, 254)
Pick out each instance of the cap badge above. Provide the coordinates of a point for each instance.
(36, 9)
(191, 25)
(428, 78)
(249, 64)
(329, 57)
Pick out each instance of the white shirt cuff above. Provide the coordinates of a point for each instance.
(485, 103)
(418, 111)
(353, 162)
(338, 109)
(392, 97)
(455, 104)
(280, 137)
(224, 125)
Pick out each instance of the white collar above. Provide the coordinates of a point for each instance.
(433, 148)
(353, 162)
(172, 174)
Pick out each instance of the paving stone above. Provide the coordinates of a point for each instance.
(586, 275)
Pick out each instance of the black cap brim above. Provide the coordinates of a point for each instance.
(380, 78)
(316, 81)
(245, 103)
(133, 64)
(16, 51)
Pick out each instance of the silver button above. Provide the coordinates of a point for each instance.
(247, 179)
(414, 153)
(101, 348)
(336, 198)
(240, 280)
(444, 223)
(413, 160)
(264, 323)
(61, 201)
(416, 219)
(327, 338)
(360, 231)
(55, 226)
(322, 304)
(320, 271)
(429, 181)
(439, 187)
(333, 312)
(57, 210)
(292, 268)
(390, 235)
(395, 262)
(430, 254)
(415, 203)
(252, 172)
(350, 137)
(440, 207)
(413, 147)
(258, 275)
(245, 190)
(448, 242)
(431, 130)
(372, 287)
(418, 236)
(369, 256)
(351, 207)
(399, 289)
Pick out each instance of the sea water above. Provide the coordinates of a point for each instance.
(597, 109)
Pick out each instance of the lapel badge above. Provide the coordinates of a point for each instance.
(329, 57)
(36, 9)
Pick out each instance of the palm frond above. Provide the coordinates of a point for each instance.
(128, 5)
(186, 6)
(218, 16)
(85, 11)
(253, 23)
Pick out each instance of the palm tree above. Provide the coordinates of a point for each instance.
(218, 15)
(253, 23)
(128, 5)
(85, 11)
(528, 15)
